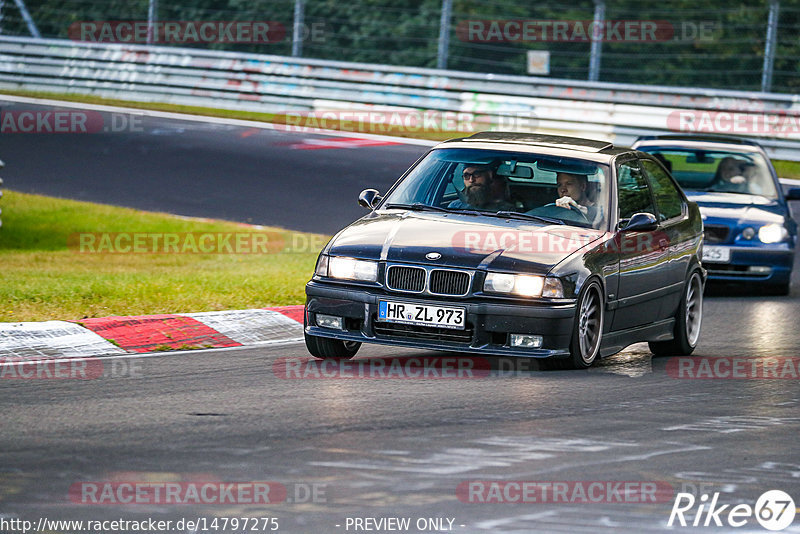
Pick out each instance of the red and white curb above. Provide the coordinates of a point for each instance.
(151, 333)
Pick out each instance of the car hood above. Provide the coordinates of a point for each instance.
(462, 240)
(738, 208)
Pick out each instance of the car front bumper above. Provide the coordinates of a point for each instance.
(739, 269)
(488, 323)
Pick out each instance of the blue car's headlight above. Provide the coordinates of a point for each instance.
(772, 233)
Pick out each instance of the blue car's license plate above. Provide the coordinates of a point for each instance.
(422, 314)
(716, 254)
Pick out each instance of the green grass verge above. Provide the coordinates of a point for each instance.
(44, 278)
(787, 169)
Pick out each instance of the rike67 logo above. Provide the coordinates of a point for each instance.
(774, 510)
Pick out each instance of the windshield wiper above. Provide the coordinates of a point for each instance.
(418, 206)
(526, 216)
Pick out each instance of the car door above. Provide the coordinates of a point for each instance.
(642, 255)
(674, 228)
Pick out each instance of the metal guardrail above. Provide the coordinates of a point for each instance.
(277, 84)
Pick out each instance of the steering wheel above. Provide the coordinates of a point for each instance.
(550, 210)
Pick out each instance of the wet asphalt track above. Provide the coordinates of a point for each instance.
(236, 173)
(380, 447)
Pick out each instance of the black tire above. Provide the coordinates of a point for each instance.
(326, 348)
(688, 321)
(778, 290)
(587, 330)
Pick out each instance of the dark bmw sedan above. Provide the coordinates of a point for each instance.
(520, 245)
(750, 234)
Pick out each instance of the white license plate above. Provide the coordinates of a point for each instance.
(716, 254)
(422, 314)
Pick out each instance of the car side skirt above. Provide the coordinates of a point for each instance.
(613, 342)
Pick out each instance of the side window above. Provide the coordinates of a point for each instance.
(634, 194)
(668, 199)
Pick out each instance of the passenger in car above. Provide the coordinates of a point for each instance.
(483, 189)
(573, 190)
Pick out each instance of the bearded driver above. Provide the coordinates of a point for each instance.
(483, 189)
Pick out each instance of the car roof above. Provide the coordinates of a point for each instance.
(556, 145)
(719, 142)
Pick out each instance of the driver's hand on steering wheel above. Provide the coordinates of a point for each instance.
(567, 202)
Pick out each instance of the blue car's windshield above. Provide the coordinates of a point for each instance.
(718, 171)
(514, 184)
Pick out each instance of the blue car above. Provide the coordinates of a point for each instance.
(750, 234)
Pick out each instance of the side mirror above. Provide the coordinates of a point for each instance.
(793, 194)
(641, 222)
(369, 198)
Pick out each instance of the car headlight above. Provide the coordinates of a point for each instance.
(524, 285)
(352, 269)
(772, 233)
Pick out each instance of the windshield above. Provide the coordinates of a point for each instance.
(719, 171)
(548, 189)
